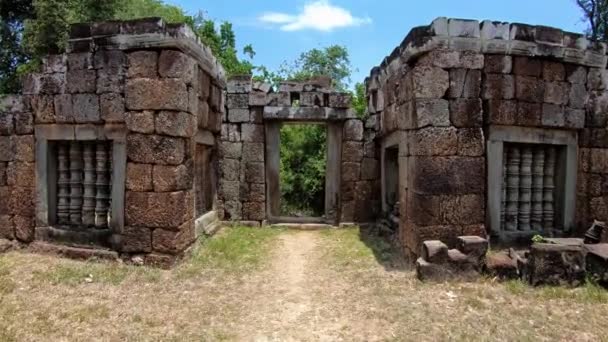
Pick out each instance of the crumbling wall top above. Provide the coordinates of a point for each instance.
(147, 33)
(494, 37)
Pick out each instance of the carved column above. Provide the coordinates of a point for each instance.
(75, 183)
(88, 204)
(525, 189)
(548, 188)
(63, 184)
(513, 162)
(102, 185)
(538, 170)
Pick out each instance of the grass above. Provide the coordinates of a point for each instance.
(590, 293)
(353, 247)
(234, 250)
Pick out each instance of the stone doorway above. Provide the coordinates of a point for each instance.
(326, 213)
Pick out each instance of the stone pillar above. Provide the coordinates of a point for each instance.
(63, 184)
(75, 183)
(511, 213)
(538, 169)
(103, 186)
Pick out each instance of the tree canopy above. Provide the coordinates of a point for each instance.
(596, 14)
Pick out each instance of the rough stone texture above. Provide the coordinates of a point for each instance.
(167, 210)
(172, 178)
(142, 64)
(556, 264)
(175, 64)
(156, 94)
(139, 177)
(176, 124)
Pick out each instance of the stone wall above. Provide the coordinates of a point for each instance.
(451, 84)
(153, 90)
(249, 149)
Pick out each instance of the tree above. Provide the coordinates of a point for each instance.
(12, 16)
(596, 13)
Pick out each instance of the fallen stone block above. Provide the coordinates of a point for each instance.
(435, 252)
(556, 264)
(596, 262)
(501, 265)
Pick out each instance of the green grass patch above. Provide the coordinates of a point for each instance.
(234, 250)
(590, 293)
(354, 247)
(7, 285)
(74, 273)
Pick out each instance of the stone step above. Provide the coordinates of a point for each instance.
(72, 252)
(92, 237)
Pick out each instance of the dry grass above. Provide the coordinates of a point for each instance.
(241, 285)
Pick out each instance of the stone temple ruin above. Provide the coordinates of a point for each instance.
(134, 143)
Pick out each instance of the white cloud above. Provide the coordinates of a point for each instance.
(317, 15)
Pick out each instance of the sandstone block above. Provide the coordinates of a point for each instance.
(142, 64)
(498, 64)
(237, 115)
(230, 150)
(239, 84)
(110, 81)
(234, 101)
(20, 174)
(432, 112)
(64, 108)
(3, 176)
(155, 149)
(430, 82)
(435, 251)
(529, 114)
(7, 126)
(233, 210)
(529, 89)
(7, 228)
(81, 81)
(109, 59)
(156, 94)
(350, 172)
(575, 118)
(136, 240)
(253, 152)
(24, 123)
(252, 133)
(433, 141)
(176, 124)
(172, 178)
(578, 96)
(576, 74)
(525, 66)
(448, 175)
(112, 107)
(230, 132)
(229, 190)
(7, 149)
(353, 130)
(352, 151)
(370, 169)
(471, 142)
(80, 61)
(498, 86)
(553, 115)
(167, 210)
(280, 99)
(340, 100)
(141, 122)
(597, 79)
(466, 113)
(175, 64)
(255, 172)
(173, 242)
(24, 148)
(597, 110)
(139, 177)
(21, 201)
(312, 99)
(554, 71)
(256, 193)
(557, 92)
(24, 228)
(598, 160)
(86, 108)
(43, 108)
(254, 211)
(229, 169)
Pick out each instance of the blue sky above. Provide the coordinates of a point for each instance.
(280, 30)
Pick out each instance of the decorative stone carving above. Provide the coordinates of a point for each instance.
(75, 183)
(548, 189)
(63, 184)
(525, 189)
(88, 204)
(512, 207)
(538, 171)
(103, 186)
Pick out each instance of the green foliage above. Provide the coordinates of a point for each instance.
(302, 173)
(538, 239)
(359, 103)
(595, 12)
(12, 16)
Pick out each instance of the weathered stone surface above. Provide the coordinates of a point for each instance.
(529, 114)
(430, 82)
(24, 228)
(7, 126)
(109, 59)
(553, 115)
(256, 193)
(435, 251)
(172, 178)
(555, 264)
(173, 242)
(141, 122)
(237, 115)
(466, 113)
(110, 81)
(352, 151)
(142, 64)
(139, 177)
(7, 228)
(578, 96)
(112, 107)
(498, 86)
(598, 160)
(136, 240)
(252, 133)
(86, 108)
(237, 101)
(20, 174)
(498, 64)
(553, 71)
(79, 61)
(175, 64)
(557, 92)
(370, 169)
(525, 66)
(434, 141)
(278, 99)
(3, 177)
(43, 108)
(239, 84)
(81, 81)
(156, 94)
(350, 172)
(353, 130)
(529, 89)
(313, 99)
(230, 150)
(471, 142)
(576, 74)
(340, 100)
(431, 112)
(21, 201)
(253, 152)
(230, 132)
(7, 149)
(155, 149)
(254, 211)
(24, 147)
(177, 124)
(229, 169)
(167, 210)
(501, 265)
(255, 172)
(448, 175)
(575, 118)
(597, 110)
(597, 79)
(64, 109)
(596, 262)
